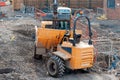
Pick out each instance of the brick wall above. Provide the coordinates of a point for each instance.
(69, 3)
(17, 4)
(86, 4)
(112, 13)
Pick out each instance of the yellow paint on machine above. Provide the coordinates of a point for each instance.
(81, 57)
(49, 37)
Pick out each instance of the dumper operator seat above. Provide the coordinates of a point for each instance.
(77, 36)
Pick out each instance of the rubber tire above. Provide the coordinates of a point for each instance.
(59, 67)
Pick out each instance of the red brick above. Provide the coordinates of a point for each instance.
(112, 13)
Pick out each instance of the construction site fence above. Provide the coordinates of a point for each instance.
(105, 49)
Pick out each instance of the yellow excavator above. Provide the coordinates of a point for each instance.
(64, 48)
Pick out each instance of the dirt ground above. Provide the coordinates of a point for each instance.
(16, 54)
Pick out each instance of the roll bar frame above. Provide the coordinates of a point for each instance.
(89, 26)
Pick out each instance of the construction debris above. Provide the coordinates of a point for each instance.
(6, 9)
(16, 46)
(102, 17)
(16, 50)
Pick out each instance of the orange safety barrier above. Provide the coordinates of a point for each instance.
(2, 4)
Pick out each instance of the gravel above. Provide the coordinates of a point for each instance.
(16, 55)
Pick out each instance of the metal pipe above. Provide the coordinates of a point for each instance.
(90, 2)
(55, 6)
(89, 26)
